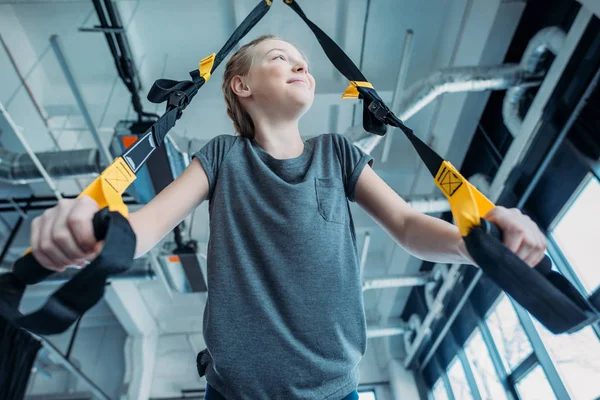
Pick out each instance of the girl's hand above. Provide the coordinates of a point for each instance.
(520, 234)
(64, 235)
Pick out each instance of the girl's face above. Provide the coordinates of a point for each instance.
(279, 78)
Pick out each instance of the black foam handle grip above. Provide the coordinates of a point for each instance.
(544, 267)
(29, 271)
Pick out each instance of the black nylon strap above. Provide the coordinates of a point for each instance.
(552, 299)
(336, 55)
(80, 293)
(546, 294)
(180, 93)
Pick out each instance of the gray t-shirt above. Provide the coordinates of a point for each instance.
(284, 317)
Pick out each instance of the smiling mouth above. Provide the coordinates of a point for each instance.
(298, 81)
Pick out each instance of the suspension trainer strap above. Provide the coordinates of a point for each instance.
(86, 288)
(83, 291)
(546, 294)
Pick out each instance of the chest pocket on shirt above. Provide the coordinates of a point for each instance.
(331, 199)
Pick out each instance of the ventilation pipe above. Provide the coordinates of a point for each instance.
(452, 80)
(392, 328)
(19, 168)
(397, 281)
(549, 39)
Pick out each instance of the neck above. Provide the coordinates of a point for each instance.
(281, 139)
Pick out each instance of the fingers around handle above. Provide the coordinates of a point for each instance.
(29, 271)
(544, 266)
(101, 222)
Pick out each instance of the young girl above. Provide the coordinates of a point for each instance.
(284, 316)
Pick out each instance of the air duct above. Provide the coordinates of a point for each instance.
(452, 80)
(549, 39)
(397, 281)
(392, 328)
(19, 168)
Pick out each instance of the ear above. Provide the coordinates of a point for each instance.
(240, 87)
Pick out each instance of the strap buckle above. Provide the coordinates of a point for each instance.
(379, 110)
(178, 99)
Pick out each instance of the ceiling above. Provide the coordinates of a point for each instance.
(168, 38)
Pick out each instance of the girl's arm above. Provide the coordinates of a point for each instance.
(167, 209)
(63, 235)
(435, 240)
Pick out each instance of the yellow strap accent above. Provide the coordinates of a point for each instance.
(110, 185)
(289, 1)
(467, 203)
(108, 188)
(206, 66)
(268, 2)
(352, 91)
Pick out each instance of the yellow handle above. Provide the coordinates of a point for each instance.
(467, 203)
(108, 188)
(110, 185)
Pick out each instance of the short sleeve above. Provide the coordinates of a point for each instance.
(353, 160)
(212, 155)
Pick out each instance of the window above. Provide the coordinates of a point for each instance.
(458, 381)
(576, 233)
(439, 391)
(485, 375)
(576, 357)
(509, 336)
(535, 386)
(366, 395)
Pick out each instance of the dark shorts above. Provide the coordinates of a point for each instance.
(212, 394)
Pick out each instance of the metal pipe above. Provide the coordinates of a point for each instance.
(29, 151)
(19, 168)
(397, 281)
(101, 29)
(69, 366)
(23, 80)
(13, 234)
(452, 80)
(62, 60)
(452, 317)
(530, 187)
(400, 83)
(364, 253)
(548, 39)
(374, 331)
(436, 308)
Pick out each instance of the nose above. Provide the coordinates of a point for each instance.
(300, 66)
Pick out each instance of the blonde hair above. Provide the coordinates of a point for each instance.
(239, 64)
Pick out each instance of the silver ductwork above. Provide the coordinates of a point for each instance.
(392, 328)
(19, 168)
(397, 281)
(549, 39)
(451, 80)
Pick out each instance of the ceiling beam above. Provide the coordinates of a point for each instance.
(592, 5)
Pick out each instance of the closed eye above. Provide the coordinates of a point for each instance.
(279, 56)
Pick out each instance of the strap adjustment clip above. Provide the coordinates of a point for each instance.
(379, 110)
(178, 99)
